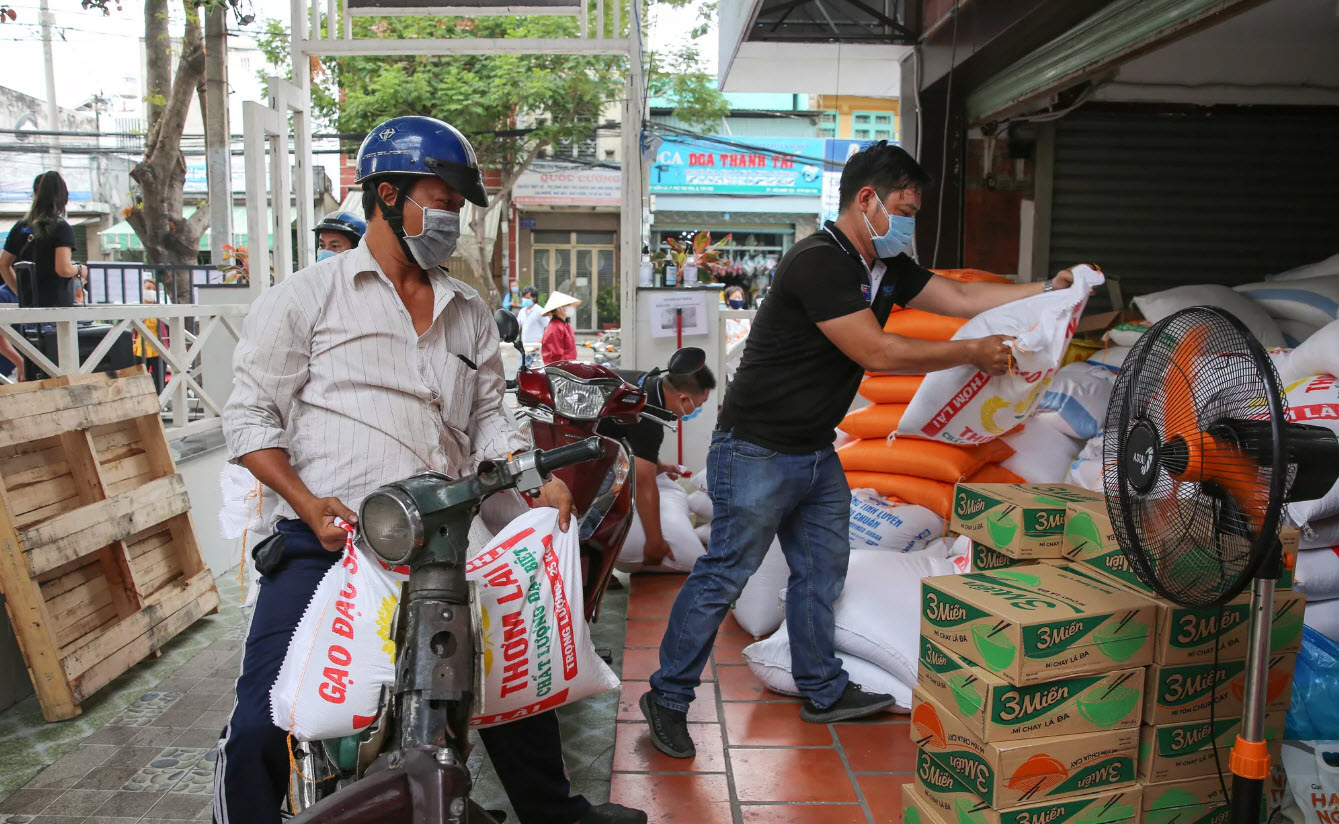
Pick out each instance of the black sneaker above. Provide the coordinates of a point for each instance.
(669, 729)
(613, 814)
(854, 703)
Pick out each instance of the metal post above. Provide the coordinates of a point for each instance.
(1248, 773)
(218, 135)
(255, 120)
(634, 191)
(298, 101)
(47, 20)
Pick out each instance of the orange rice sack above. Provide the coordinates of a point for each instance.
(890, 388)
(995, 474)
(873, 422)
(922, 459)
(935, 496)
(913, 323)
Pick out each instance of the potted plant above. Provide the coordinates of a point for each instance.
(701, 252)
(606, 306)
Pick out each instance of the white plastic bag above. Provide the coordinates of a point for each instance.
(244, 516)
(1043, 452)
(1086, 469)
(963, 405)
(769, 661)
(676, 524)
(758, 609)
(1079, 393)
(1315, 400)
(1314, 781)
(879, 524)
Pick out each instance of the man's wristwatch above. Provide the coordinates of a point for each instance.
(1049, 285)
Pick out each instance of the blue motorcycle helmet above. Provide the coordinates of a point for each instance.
(346, 223)
(425, 146)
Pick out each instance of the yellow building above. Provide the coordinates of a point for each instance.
(858, 118)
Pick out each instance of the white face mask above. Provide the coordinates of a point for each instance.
(435, 244)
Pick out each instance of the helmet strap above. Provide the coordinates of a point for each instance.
(395, 219)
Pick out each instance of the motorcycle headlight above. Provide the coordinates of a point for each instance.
(391, 524)
(576, 399)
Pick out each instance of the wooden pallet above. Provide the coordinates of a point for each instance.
(98, 558)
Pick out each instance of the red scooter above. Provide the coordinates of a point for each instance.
(565, 402)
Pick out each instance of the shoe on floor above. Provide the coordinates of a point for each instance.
(854, 703)
(613, 814)
(669, 729)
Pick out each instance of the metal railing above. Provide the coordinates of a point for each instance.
(188, 328)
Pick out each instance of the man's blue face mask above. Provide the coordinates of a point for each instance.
(325, 254)
(898, 237)
(526, 302)
(697, 410)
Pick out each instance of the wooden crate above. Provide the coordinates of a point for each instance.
(98, 558)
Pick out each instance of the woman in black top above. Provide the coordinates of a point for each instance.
(44, 238)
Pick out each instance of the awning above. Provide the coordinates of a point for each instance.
(120, 237)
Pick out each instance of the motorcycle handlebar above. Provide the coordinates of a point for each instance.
(564, 456)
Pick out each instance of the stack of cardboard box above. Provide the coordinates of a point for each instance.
(1192, 707)
(1031, 684)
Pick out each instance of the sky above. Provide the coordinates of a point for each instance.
(97, 55)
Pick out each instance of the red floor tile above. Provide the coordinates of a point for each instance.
(633, 751)
(642, 633)
(638, 664)
(751, 724)
(883, 793)
(651, 605)
(878, 747)
(728, 647)
(802, 814)
(656, 584)
(703, 798)
(701, 711)
(790, 775)
(738, 683)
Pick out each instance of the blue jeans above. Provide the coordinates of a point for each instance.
(758, 494)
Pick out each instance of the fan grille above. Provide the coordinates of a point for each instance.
(1194, 515)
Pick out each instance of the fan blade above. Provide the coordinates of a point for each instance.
(1178, 396)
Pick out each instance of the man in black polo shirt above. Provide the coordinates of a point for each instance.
(680, 395)
(772, 470)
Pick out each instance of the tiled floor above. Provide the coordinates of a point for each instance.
(757, 762)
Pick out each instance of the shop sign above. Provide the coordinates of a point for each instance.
(748, 166)
(836, 151)
(556, 185)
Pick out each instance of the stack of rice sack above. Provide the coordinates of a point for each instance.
(1301, 301)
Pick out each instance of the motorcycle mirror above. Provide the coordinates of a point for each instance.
(507, 327)
(686, 361)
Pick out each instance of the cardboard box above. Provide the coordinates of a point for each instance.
(985, 559)
(1090, 543)
(1038, 623)
(1192, 801)
(1173, 752)
(1186, 692)
(918, 809)
(1188, 636)
(995, 710)
(1009, 773)
(1023, 521)
(950, 800)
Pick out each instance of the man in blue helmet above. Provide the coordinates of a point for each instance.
(357, 371)
(338, 232)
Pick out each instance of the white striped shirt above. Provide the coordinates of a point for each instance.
(330, 369)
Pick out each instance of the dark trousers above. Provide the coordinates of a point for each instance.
(251, 777)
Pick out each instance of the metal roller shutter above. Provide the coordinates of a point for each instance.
(1219, 196)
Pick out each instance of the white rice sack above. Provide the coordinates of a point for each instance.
(878, 613)
(758, 609)
(1310, 300)
(963, 405)
(1126, 334)
(1323, 617)
(1043, 451)
(1296, 332)
(879, 524)
(769, 661)
(676, 525)
(703, 533)
(1318, 573)
(1159, 305)
(245, 516)
(699, 504)
(1328, 266)
(1315, 400)
(1321, 534)
(1317, 355)
(1111, 357)
(1079, 393)
(1086, 469)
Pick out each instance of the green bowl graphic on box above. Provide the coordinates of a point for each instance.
(1106, 814)
(1285, 629)
(1173, 807)
(967, 813)
(911, 815)
(1023, 521)
(1080, 530)
(967, 697)
(1038, 624)
(1109, 707)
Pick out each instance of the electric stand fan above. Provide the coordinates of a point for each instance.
(1198, 461)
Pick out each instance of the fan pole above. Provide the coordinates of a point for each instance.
(1250, 754)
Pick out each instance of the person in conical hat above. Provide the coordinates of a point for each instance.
(559, 343)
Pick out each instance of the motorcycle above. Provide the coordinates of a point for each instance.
(605, 348)
(410, 764)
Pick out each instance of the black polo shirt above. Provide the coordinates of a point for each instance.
(646, 436)
(794, 385)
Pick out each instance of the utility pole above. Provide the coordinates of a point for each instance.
(218, 135)
(47, 19)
